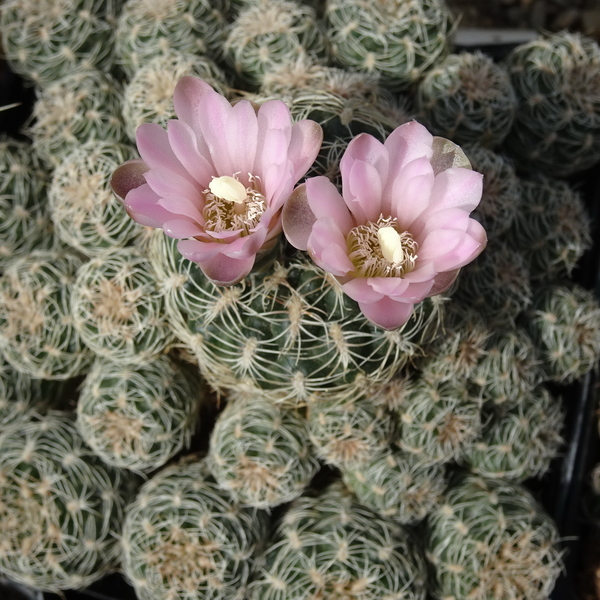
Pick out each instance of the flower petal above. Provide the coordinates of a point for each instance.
(154, 148)
(182, 228)
(325, 201)
(142, 206)
(359, 289)
(187, 99)
(387, 313)
(223, 270)
(297, 218)
(407, 143)
(191, 151)
(361, 190)
(241, 138)
(166, 182)
(443, 281)
(305, 143)
(214, 113)
(127, 177)
(327, 243)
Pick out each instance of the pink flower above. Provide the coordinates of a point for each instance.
(401, 229)
(218, 177)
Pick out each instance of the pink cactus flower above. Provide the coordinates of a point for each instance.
(400, 230)
(217, 178)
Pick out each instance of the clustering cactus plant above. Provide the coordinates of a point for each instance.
(552, 228)
(468, 98)
(438, 421)
(45, 40)
(80, 107)
(397, 485)
(271, 33)
(564, 323)
(350, 432)
(148, 97)
(289, 330)
(259, 452)
(397, 41)
(118, 308)
(491, 539)
(61, 507)
(37, 334)
(185, 538)
(509, 369)
(557, 125)
(85, 213)
(329, 546)
(24, 221)
(137, 417)
(150, 28)
(520, 442)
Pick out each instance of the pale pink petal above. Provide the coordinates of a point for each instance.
(282, 190)
(223, 270)
(443, 281)
(416, 175)
(184, 207)
(181, 228)
(424, 271)
(187, 98)
(213, 117)
(387, 313)
(326, 242)
(388, 286)
(405, 144)
(416, 195)
(194, 156)
(297, 218)
(241, 138)
(305, 143)
(453, 188)
(127, 177)
(439, 243)
(325, 201)
(359, 289)
(142, 206)
(450, 218)
(361, 190)
(274, 137)
(198, 250)
(166, 183)
(366, 148)
(154, 148)
(247, 245)
(416, 291)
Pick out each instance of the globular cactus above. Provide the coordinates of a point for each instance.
(138, 417)
(150, 28)
(557, 125)
(37, 334)
(118, 307)
(497, 283)
(454, 355)
(61, 507)
(148, 97)
(350, 432)
(469, 99)
(45, 40)
(509, 369)
(397, 485)
(287, 330)
(184, 538)
(271, 33)
(552, 228)
(73, 110)
(500, 202)
(25, 224)
(395, 40)
(564, 324)
(85, 213)
(259, 452)
(491, 539)
(520, 442)
(330, 546)
(437, 421)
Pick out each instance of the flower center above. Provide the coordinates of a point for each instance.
(231, 206)
(380, 250)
